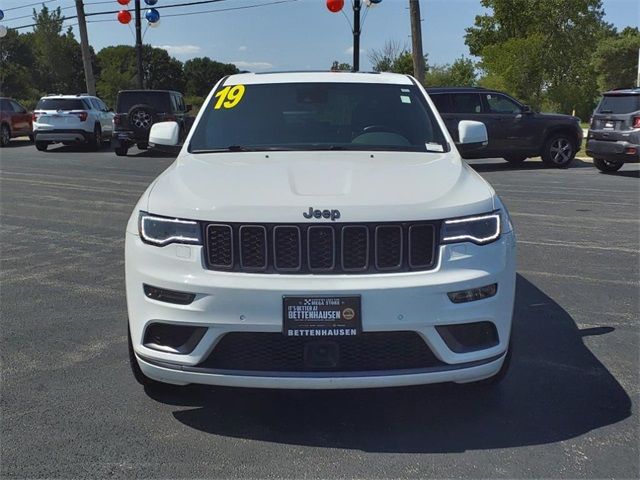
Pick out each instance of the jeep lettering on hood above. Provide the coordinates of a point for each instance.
(332, 214)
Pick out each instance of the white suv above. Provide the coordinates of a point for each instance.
(319, 230)
(71, 119)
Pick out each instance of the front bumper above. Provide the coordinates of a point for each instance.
(613, 151)
(240, 302)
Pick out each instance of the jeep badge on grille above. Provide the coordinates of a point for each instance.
(332, 214)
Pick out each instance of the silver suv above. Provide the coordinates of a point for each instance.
(70, 119)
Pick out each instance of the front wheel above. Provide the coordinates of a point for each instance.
(5, 136)
(559, 151)
(606, 165)
(121, 151)
(42, 146)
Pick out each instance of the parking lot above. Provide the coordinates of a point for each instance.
(71, 408)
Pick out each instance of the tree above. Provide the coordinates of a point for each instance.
(118, 70)
(615, 60)
(202, 73)
(462, 73)
(392, 57)
(16, 63)
(536, 49)
(337, 66)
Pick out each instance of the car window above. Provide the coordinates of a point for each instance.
(17, 107)
(180, 100)
(5, 106)
(619, 104)
(61, 104)
(103, 105)
(466, 103)
(96, 104)
(442, 102)
(317, 116)
(159, 101)
(500, 104)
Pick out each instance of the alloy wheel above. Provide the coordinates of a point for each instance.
(561, 151)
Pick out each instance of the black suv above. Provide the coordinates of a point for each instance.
(515, 131)
(138, 110)
(614, 132)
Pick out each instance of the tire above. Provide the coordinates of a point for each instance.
(142, 145)
(5, 135)
(559, 151)
(139, 376)
(607, 166)
(121, 151)
(42, 146)
(141, 118)
(97, 138)
(515, 160)
(31, 138)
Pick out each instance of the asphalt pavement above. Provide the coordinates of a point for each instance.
(70, 407)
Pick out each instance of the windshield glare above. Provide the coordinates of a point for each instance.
(619, 104)
(310, 116)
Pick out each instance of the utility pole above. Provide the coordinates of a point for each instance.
(416, 40)
(357, 6)
(139, 44)
(86, 52)
(638, 76)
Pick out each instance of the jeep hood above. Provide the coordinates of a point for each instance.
(279, 186)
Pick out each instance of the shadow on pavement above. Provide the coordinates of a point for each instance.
(19, 142)
(624, 173)
(493, 165)
(556, 389)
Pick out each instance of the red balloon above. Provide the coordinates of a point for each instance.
(124, 2)
(124, 16)
(335, 5)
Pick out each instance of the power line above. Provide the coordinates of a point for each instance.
(41, 2)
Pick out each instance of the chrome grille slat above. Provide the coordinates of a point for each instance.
(322, 248)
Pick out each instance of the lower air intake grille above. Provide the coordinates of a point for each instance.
(369, 351)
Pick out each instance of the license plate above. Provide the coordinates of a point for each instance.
(321, 316)
(608, 126)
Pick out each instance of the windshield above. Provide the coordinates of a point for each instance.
(619, 104)
(318, 116)
(61, 104)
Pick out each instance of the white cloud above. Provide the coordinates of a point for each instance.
(349, 51)
(180, 50)
(242, 65)
(243, 48)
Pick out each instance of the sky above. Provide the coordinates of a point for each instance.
(295, 35)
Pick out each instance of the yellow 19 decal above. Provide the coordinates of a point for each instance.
(229, 96)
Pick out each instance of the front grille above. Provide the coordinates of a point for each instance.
(273, 352)
(322, 248)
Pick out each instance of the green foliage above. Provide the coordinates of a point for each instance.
(615, 59)
(16, 64)
(462, 73)
(536, 49)
(337, 66)
(201, 74)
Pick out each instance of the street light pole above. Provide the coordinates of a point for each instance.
(139, 44)
(357, 6)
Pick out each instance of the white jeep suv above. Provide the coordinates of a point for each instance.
(319, 230)
(72, 119)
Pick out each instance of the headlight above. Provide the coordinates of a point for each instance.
(163, 230)
(479, 229)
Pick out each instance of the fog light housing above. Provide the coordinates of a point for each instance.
(166, 337)
(469, 337)
(169, 296)
(473, 294)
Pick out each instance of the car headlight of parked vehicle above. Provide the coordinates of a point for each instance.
(161, 231)
(479, 229)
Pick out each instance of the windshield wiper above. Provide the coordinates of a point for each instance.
(240, 148)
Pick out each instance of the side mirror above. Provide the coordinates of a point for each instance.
(188, 108)
(472, 135)
(165, 133)
(110, 110)
(526, 109)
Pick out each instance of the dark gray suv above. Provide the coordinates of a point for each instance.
(614, 132)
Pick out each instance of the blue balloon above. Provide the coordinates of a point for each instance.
(1, 14)
(376, 1)
(152, 15)
(151, 2)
